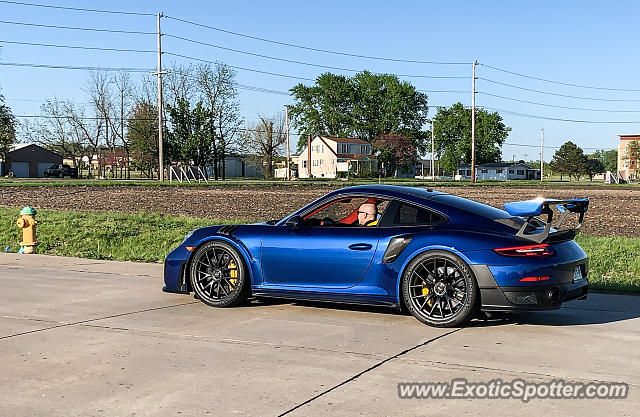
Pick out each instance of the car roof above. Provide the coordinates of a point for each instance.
(394, 191)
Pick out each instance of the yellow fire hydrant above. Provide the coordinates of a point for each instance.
(27, 222)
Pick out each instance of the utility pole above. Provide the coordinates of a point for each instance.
(286, 116)
(542, 156)
(433, 158)
(160, 129)
(473, 123)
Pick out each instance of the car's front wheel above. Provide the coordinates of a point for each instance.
(218, 275)
(440, 289)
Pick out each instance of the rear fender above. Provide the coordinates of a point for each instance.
(423, 250)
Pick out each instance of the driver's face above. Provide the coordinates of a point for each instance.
(366, 213)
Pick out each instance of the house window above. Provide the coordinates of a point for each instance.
(484, 171)
(498, 171)
(521, 172)
(469, 172)
(461, 172)
(321, 161)
(344, 148)
(510, 171)
(363, 149)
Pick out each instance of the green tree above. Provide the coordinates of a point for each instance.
(142, 136)
(8, 125)
(569, 159)
(453, 136)
(366, 106)
(189, 140)
(608, 158)
(594, 166)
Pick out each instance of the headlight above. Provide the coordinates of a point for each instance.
(187, 236)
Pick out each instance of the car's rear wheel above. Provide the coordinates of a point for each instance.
(440, 289)
(218, 275)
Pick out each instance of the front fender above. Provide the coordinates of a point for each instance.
(249, 261)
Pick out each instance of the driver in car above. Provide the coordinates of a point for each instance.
(367, 214)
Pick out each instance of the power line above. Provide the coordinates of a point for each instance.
(285, 75)
(560, 82)
(304, 63)
(308, 48)
(262, 90)
(239, 68)
(559, 107)
(556, 147)
(232, 33)
(530, 146)
(129, 32)
(70, 67)
(532, 116)
(93, 48)
(79, 9)
(556, 94)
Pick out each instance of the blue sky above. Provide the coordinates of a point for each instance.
(577, 42)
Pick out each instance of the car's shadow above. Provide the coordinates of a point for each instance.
(566, 316)
(569, 315)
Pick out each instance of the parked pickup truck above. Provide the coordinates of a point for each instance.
(61, 171)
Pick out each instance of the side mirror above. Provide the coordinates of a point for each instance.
(293, 222)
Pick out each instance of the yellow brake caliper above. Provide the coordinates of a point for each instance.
(425, 291)
(234, 274)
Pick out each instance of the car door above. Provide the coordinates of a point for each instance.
(317, 255)
(321, 257)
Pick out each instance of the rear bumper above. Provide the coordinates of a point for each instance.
(533, 298)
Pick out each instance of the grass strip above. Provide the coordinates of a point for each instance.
(123, 237)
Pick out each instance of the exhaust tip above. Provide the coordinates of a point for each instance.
(553, 295)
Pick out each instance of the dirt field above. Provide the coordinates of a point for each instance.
(612, 211)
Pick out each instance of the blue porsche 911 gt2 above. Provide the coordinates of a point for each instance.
(443, 257)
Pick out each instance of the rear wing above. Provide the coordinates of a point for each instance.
(531, 209)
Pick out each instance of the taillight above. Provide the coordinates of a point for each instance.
(535, 279)
(529, 250)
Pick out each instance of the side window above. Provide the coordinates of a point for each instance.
(410, 215)
(356, 211)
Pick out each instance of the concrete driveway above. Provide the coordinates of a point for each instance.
(83, 338)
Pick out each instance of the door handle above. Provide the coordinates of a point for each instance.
(360, 246)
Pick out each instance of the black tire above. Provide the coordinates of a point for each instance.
(218, 275)
(440, 290)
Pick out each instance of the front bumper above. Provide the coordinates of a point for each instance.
(175, 266)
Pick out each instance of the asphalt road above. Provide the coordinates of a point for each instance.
(84, 338)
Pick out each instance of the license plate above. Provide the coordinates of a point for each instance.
(577, 274)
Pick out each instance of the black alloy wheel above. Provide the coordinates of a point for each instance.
(440, 289)
(218, 275)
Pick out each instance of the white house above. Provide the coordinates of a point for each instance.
(325, 157)
(500, 171)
